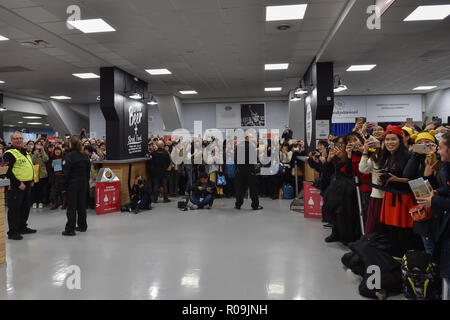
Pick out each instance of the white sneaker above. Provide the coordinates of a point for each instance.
(193, 207)
(41, 205)
(34, 205)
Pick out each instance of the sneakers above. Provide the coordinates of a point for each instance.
(28, 231)
(257, 208)
(15, 237)
(34, 205)
(193, 207)
(41, 205)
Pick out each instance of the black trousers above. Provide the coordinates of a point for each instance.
(157, 183)
(172, 182)
(18, 209)
(245, 179)
(76, 205)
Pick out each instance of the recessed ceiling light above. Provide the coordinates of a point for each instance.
(34, 123)
(91, 25)
(2, 38)
(20, 122)
(276, 66)
(188, 92)
(425, 88)
(436, 12)
(135, 96)
(60, 97)
(32, 117)
(2, 81)
(89, 75)
(273, 89)
(47, 125)
(157, 72)
(289, 12)
(340, 88)
(362, 67)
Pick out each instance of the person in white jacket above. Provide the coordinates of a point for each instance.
(368, 165)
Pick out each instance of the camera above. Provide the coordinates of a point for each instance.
(140, 182)
(385, 175)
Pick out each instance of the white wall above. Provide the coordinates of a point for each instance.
(23, 105)
(276, 115)
(437, 103)
(97, 123)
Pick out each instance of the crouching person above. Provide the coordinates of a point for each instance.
(202, 193)
(140, 197)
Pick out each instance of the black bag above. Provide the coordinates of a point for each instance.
(182, 205)
(421, 279)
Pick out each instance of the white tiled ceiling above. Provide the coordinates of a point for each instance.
(217, 47)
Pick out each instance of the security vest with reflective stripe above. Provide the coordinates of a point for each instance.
(23, 168)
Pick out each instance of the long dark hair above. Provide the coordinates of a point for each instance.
(446, 138)
(398, 159)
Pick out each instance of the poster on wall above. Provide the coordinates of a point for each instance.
(228, 115)
(394, 108)
(347, 108)
(134, 128)
(253, 115)
(322, 129)
(308, 122)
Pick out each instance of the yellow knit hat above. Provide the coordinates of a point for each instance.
(424, 135)
(409, 130)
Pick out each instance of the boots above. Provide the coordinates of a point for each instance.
(54, 205)
(64, 205)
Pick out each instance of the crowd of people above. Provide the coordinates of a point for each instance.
(384, 159)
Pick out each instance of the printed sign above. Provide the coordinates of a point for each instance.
(308, 122)
(313, 202)
(107, 197)
(134, 129)
(322, 129)
(228, 115)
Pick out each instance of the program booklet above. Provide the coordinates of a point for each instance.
(421, 188)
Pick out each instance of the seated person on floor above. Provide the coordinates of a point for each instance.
(202, 192)
(140, 197)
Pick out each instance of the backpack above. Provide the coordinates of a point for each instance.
(288, 192)
(420, 276)
(221, 181)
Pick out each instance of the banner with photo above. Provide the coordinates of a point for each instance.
(237, 115)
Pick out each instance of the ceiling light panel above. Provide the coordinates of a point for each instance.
(60, 97)
(424, 13)
(273, 89)
(425, 88)
(157, 72)
(188, 92)
(86, 75)
(289, 12)
(276, 66)
(362, 67)
(91, 25)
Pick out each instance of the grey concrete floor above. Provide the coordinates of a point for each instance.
(220, 253)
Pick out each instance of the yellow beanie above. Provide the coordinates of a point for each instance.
(424, 135)
(409, 130)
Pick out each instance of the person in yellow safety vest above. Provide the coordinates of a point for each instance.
(21, 175)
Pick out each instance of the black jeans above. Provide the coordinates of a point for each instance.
(18, 209)
(157, 183)
(76, 203)
(244, 179)
(172, 183)
(40, 191)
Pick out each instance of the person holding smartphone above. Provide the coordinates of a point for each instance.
(202, 193)
(40, 158)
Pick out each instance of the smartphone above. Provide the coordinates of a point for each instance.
(420, 148)
(361, 120)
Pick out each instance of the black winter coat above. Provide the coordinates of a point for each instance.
(76, 168)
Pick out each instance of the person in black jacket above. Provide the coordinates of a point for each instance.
(245, 176)
(159, 163)
(439, 240)
(76, 169)
(140, 196)
(202, 192)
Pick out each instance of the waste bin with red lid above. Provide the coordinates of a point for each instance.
(107, 192)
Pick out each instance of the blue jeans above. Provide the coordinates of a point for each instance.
(201, 203)
(429, 244)
(188, 178)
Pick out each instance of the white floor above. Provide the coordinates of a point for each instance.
(220, 253)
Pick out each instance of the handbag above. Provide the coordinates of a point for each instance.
(221, 181)
(419, 213)
(36, 173)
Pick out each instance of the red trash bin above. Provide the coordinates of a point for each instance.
(107, 192)
(312, 201)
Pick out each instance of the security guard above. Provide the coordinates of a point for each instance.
(21, 174)
(245, 176)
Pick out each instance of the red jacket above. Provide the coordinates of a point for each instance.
(352, 167)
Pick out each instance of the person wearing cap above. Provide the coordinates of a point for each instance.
(394, 214)
(407, 134)
(21, 174)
